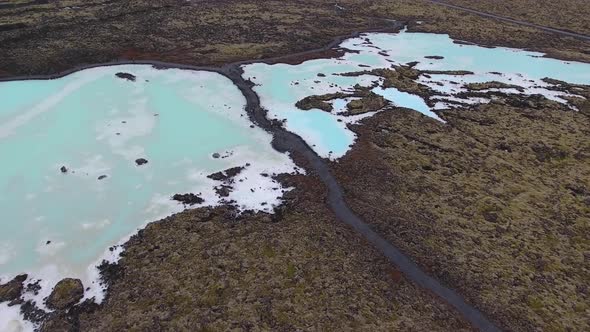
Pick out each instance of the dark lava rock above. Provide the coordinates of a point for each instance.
(31, 313)
(435, 57)
(216, 155)
(223, 191)
(126, 76)
(102, 177)
(66, 293)
(232, 172)
(218, 176)
(536, 101)
(188, 199)
(12, 290)
(63, 169)
(34, 287)
(227, 174)
(141, 161)
(321, 75)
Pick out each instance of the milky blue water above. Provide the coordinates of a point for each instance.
(56, 225)
(404, 99)
(407, 47)
(280, 86)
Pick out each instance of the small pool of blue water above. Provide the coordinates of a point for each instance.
(280, 86)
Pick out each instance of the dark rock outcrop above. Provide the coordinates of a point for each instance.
(66, 293)
(141, 161)
(188, 199)
(227, 174)
(223, 190)
(492, 85)
(126, 76)
(369, 103)
(12, 290)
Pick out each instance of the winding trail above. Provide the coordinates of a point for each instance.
(285, 141)
(512, 20)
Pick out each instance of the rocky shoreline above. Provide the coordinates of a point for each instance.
(144, 248)
(234, 248)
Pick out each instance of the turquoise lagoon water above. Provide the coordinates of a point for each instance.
(406, 47)
(407, 100)
(280, 86)
(56, 225)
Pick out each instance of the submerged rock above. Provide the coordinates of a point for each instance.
(141, 161)
(188, 199)
(12, 289)
(66, 293)
(126, 76)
